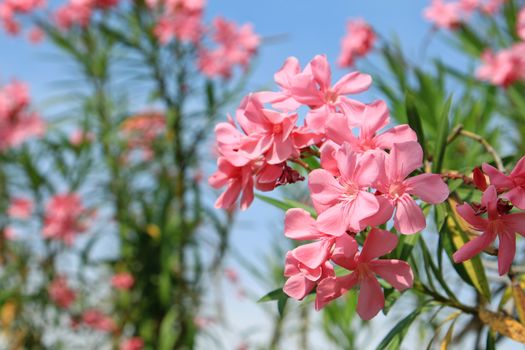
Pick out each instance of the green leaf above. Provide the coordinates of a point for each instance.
(168, 333)
(273, 295)
(414, 119)
(394, 338)
(441, 139)
(286, 204)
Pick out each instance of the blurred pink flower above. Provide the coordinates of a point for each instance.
(79, 137)
(443, 15)
(358, 42)
(71, 14)
(123, 280)
(135, 343)
(203, 322)
(17, 123)
(235, 46)
(365, 266)
(99, 321)
(521, 24)
(504, 67)
(65, 218)
(60, 293)
(20, 208)
(36, 35)
(490, 7)
(232, 275)
(184, 25)
(499, 223)
(10, 233)
(513, 184)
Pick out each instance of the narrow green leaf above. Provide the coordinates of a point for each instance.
(441, 139)
(414, 119)
(286, 204)
(273, 295)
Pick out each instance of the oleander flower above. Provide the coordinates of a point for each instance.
(97, 320)
(504, 67)
(123, 281)
(499, 223)
(134, 343)
(60, 293)
(445, 15)
(20, 208)
(513, 184)
(65, 218)
(358, 42)
(365, 265)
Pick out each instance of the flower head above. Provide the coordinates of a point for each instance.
(60, 293)
(65, 218)
(358, 42)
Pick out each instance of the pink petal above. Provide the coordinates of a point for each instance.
(396, 272)
(489, 200)
(255, 145)
(229, 196)
(404, 159)
(398, 134)
(353, 83)
(375, 116)
(304, 90)
(409, 217)
(247, 195)
(429, 187)
(290, 68)
(332, 220)
(338, 130)
(466, 212)
(365, 205)
(506, 252)
(280, 151)
(328, 161)
(497, 178)
(515, 222)
(371, 299)
(378, 243)
(516, 196)
(313, 254)
(298, 287)
(344, 251)
(473, 247)
(299, 225)
(321, 71)
(317, 118)
(332, 288)
(367, 170)
(324, 187)
(384, 213)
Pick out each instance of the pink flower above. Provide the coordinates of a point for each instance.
(135, 343)
(299, 225)
(64, 218)
(24, 6)
(521, 24)
(503, 68)
(123, 280)
(99, 321)
(499, 223)
(60, 293)
(283, 100)
(490, 7)
(369, 118)
(10, 233)
(36, 35)
(232, 275)
(183, 25)
(20, 208)
(203, 322)
(394, 185)
(72, 14)
(469, 6)
(235, 46)
(17, 123)
(269, 132)
(301, 278)
(78, 137)
(443, 15)
(344, 203)
(513, 184)
(358, 42)
(365, 266)
(313, 88)
(142, 130)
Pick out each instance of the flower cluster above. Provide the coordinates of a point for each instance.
(60, 292)
(358, 42)
(10, 8)
(367, 176)
(79, 12)
(122, 281)
(494, 216)
(180, 19)
(235, 46)
(450, 15)
(65, 218)
(141, 130)
(17, 122)
(504, 67)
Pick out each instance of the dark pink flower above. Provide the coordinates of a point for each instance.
(513, 184)
(393, 185)
(365, 266)
(97, 320)
(20, 208)
(358, 42)
(65, 218)
(60, 293)
(135, 343)
(499, 223)
(123, 280)
(17, 123)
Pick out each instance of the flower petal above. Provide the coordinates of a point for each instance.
(371, 299)
(324, 188)
(396, 272)
(473, 247)
(377, 243)
(409, 217)
(506, 252)
(429, 187)
(298, 287)
(299, 225)
(353, 83)
(404, 158)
